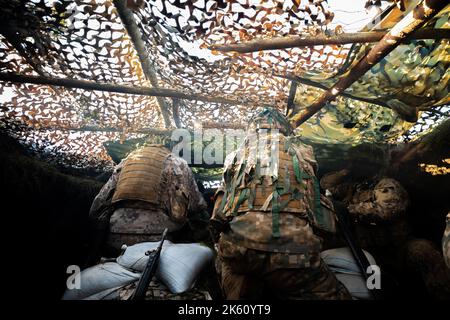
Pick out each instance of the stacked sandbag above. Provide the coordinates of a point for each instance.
(101, 280)
(179, 264)
(347, 271)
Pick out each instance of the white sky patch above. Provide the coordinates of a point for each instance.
(7, 95)
(352, 15)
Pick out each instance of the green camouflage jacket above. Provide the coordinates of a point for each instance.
(292, 205)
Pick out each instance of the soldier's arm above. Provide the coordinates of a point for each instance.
(388, 204)
(197, 210)
(102, 202)
(333, 179)
(337, 183)
(99, 215)
(218, 223)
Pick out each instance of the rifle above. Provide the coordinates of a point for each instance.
(357, 252)
(149, 271)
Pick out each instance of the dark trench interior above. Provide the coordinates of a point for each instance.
(50, 206)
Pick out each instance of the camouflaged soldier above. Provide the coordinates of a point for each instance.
(150, 190)
(265, 217)
(378, 209)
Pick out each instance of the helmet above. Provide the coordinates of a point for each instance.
(270, 118)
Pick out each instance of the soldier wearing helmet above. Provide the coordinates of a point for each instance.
(377, 205)
(150, 190)
(266, 217)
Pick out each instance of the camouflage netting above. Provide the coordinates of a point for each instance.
(86, 40)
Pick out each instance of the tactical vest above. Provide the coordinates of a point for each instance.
(140, 177)
(290, 187)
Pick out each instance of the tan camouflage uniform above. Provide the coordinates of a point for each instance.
(130, 222)
(158, 291)
(378, 212)
(273, 251)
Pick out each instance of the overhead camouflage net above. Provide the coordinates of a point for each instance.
(91, 41)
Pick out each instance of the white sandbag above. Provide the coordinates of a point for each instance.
(108, 294)
(134, 257)
(101, 277)
(355, 284)
(342, 260)
(179, 264)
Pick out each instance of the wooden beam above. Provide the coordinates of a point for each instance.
(126, 15)
(90, 85)
(222, 125)
(290, 102)
(176, 112)
(322, 39)
(153, 131)
(319, 85)
(411, 22)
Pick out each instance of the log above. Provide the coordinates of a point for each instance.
(291, 97)
(322, 39)
(319, 85)
(108, 87)
(176, 112)
(410, 23)
(126, 15)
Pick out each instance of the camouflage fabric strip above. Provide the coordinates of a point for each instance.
(317, 204)
(275, 213)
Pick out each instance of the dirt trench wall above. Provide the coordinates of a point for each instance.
(47, 213)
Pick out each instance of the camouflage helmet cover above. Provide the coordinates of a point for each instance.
(270, 118)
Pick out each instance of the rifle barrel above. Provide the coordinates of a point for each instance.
(149, 271)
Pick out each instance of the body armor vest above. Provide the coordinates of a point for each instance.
(140, 177)
(286, 184)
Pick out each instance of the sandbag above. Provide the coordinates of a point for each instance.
(134, 257)
(347, 271)
(355, 284)
(108, 294)
(99, 278)
(342, 260)
(179, 264)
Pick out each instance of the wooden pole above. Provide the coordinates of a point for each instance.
(411, 22)
(154, 131)
(90, 85)
(319, 85)
(322, 39)
(126, 15)
(176, 112)
(290, 102)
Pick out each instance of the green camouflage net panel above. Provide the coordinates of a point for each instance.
(413, 77)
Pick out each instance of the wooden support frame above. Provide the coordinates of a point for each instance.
(90, 85)
(410, 23)
(322, 39)
(126, 15)
(319, 85)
